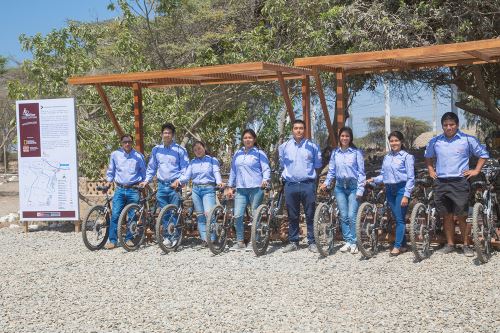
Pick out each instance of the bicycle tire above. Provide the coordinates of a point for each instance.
(261, 230)
(364, 235)
(419, 232)
(96, 226)
(217, 229)
(481, 233)
(135, 223)
(172, 230)
(325, 229)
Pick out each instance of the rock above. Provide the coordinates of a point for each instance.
(13, 179)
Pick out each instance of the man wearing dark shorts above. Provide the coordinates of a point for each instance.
(451, 151)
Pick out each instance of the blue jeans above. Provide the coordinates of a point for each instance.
(345, 193)
(121, 198)
(295, 194)
(243, 197)
(394, 194)
(166, 196)
(203, 202)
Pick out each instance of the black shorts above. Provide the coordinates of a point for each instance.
(451, 196)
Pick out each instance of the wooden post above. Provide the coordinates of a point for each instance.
(25, 227)
(324, 107)
(340, 100)
(78, 226)
(306, 105)
(109, 111)
(284, 92)
(138, 119)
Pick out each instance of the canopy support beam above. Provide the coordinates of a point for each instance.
(109, 110)
(138, 118)
(324, 107)
(286, 96)
(340, 100)
(306, 105)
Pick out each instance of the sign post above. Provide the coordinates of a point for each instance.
(48, 168)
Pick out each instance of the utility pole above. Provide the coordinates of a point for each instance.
(454, 98)
(434, 110)
(387, 100)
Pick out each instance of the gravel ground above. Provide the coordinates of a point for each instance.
(51, 283)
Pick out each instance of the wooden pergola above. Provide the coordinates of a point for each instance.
(253, 72)
(445, 55)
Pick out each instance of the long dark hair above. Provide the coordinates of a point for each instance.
(252, 133)
(349, 131)
(399, 136)
(201, 143)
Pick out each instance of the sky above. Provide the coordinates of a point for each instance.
(33, 16)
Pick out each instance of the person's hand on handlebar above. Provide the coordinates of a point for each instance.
(143, 184)
(369, 180)
(175, 184)
(264, 184)
(229, 192)
(323, 187)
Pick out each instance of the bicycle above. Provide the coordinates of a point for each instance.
(171, 222)
(95, 229)
(485, 214)
(326, 225)
(136, 219)
(425, 222)
(267, 220)
(374, 217)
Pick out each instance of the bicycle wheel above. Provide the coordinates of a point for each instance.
(131, 226)
(217, 229)
(169, 228)
(420, 239)
(481, 233)
(325, 229)
(365, 230)
(95, 229)
(261, 229)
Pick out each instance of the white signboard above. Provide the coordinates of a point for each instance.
(48, 175)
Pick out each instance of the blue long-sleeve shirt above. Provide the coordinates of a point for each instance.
(204, 170)
(167, 163)
(249, 169)
(299, 161)
(126, 169)
(396, 168)
(347, 164)
(452, 154)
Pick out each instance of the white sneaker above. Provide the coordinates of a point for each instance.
(354, 248)
(345, 248)
(167, 242)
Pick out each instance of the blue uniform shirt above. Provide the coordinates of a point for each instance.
(396, 168)
(168, 163)
(204, 170)
(347, 164)
(452, 155)
(249, 170)
(299, 161)
(126, 169)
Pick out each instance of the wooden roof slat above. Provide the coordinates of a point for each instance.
(479, 55)
(396, 63)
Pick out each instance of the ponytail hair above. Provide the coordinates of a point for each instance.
(399, 136)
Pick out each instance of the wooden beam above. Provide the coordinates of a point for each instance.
(478, 55)
(396, 63)
(233, 76)
(324, 107)
(340, 101)
(286, 97)
(306, 105)
(109, 111)
(138, 118)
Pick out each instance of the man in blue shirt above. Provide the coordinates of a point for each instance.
(299, 158)
(127, 168)
(168, 162)
(451, 151)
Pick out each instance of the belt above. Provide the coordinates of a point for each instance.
(126, 186)
(204, 185)
(166, 182)
(307, 181)
(450, 179)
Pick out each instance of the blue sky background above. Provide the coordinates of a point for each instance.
(33, 16)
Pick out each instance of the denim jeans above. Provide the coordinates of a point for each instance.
(345, 193)
(394, 194)
(243, 197)
(295, 194)
(121, 198)
(166, 195)
(203, 201)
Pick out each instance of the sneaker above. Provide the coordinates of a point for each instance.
(204, 244)
(291, 247)
(110, 246)
(468, 251)
(313, 248)
(346, 248)
(167, 242)
(129, 243)
(238, 246)
(174, 242)
(354, 248)
(446, 249)
(249, 247)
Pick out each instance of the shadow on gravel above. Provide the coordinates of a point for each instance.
(9, 194)
(65, 227)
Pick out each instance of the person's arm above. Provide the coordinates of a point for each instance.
(281, 153)
(429, 158)
(152, 167)
(216, 170)
(232, 173)
(361, 173)
(264, 166)
(331, 170)
(410, 173)
(142, 168)
(111, 171)
(480, 152)
(187, 175)
(318, 161)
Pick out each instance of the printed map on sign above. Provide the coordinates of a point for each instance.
(47, 184)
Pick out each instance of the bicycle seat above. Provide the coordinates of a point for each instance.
(102, 188)
(423, 181)
(478, 183)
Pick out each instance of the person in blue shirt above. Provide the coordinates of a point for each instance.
(299, 158)
(347, 167)
(398, 175)
(451, 151)
(250, 173)
(167, 162)
(204, 173)
(127, 168)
